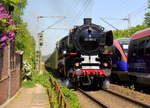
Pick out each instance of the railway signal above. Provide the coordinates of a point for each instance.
(40, 36)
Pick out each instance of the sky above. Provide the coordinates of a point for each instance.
(62, 15)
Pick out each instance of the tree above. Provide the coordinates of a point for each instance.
(147, 15)
(126, 33)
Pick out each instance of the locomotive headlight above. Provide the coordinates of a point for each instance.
(105, 64)
(77, 64)
(64, 52)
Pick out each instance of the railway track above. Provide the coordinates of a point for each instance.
(111, 99)
(128, 99)
(99, 103)
(140, 104)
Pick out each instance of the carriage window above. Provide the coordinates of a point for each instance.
(141, 47)
(134, 50)
(125, 48)
(147, 50)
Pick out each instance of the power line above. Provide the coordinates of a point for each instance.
(53, 24)
(138, 12)
(74, 18)
(82, 11)
(85, 9)
(109, 23)
(58, 21)
(78, 15)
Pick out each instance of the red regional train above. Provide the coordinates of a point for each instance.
(119, 60)
(139, 57)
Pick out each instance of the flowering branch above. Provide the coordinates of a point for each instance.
(7, 27)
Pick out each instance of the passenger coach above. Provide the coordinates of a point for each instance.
(119, 58)
(139, 57)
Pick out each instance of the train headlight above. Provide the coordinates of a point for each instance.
(64, 52)
(77, 64)
(105, 64)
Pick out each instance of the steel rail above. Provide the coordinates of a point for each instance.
(93, 99)
(128, 99)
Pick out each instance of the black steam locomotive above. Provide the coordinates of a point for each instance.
(83, 55)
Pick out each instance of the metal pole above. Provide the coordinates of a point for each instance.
(129, 24)
(39, 59)
(129, 21)
(40, 43)
(39, 63)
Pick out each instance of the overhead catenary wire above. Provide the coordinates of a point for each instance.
(108, 23)
(127, 18)
(76, 6)
(85, 7)
(58, 21)
(78, 15)
(138, 12)
(84, 10)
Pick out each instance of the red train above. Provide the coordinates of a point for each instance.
(133, 63)
(119, 58)
(139, 57)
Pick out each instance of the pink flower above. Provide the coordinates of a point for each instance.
(9, 35)
(3, 38)
(10, 39)
(3, 44)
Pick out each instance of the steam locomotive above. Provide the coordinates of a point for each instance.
(83, 56)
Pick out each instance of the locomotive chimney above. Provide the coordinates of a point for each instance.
(87, 21)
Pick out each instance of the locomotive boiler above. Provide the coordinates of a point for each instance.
(84, 57)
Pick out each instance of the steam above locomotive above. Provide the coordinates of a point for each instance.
(83, 55)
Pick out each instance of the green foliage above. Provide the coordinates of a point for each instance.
(27, 71)
(71, 97)
(28, 84)
(6, 28)
(9, 2)
(147, 15)
(24, 40)
(26, 43)
(147, 19)
(13, 2)
(128, 32)
(42, 79)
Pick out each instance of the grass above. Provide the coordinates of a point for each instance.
(44, 81)
(71, 97)
(28, 84)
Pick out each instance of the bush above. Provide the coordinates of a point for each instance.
(71, 97)
(28, 84)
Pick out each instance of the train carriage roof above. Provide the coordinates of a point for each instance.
(141, 34)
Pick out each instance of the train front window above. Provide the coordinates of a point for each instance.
(124, 43)
(125, 48)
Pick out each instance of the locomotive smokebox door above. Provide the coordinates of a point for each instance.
(109, 38)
